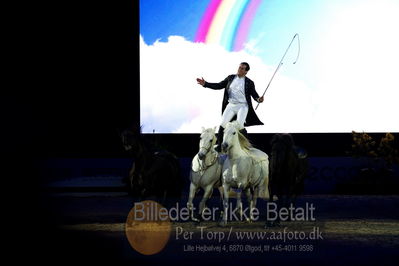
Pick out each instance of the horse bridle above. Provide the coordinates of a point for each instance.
(204, 166)
(210, 146)
(206, 149)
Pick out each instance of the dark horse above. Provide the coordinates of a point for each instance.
(155, 173)
(288, 170)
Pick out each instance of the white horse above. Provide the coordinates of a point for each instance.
(206, 170)
(245, 168)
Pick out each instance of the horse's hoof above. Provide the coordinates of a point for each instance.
(194, 219)
(249, 220)
(270, 224)
(222, 223)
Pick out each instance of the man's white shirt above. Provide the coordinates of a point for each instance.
(237, 91)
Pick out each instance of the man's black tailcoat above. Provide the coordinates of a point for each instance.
(252, 118)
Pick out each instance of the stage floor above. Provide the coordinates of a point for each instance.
(353, 229)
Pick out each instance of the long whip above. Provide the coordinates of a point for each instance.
(281, 62)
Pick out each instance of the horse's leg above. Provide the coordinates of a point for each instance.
(221, 200)
(250, 199)
(273, 195)
(130, 179)
(281, 199)
(268, 202)
(292, 197)
(226, 189)
(293, 204)
(193, 190)
(239, 203)
(254, 200)
(207, 194)
(267, 190)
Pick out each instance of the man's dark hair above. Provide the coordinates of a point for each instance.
(246, 65)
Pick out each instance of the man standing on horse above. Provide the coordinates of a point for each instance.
(236, 100)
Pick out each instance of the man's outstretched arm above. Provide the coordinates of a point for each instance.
(214, 86)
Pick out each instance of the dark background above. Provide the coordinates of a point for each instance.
(82, 77)
(72, 77)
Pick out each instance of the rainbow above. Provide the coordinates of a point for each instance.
(227, 22)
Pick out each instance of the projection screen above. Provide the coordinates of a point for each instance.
(346, 77)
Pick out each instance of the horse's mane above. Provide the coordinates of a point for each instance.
(283, 137)
(134, 134)
(244, 142)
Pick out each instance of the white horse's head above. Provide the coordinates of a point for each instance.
(207, 141)
(232, 136)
